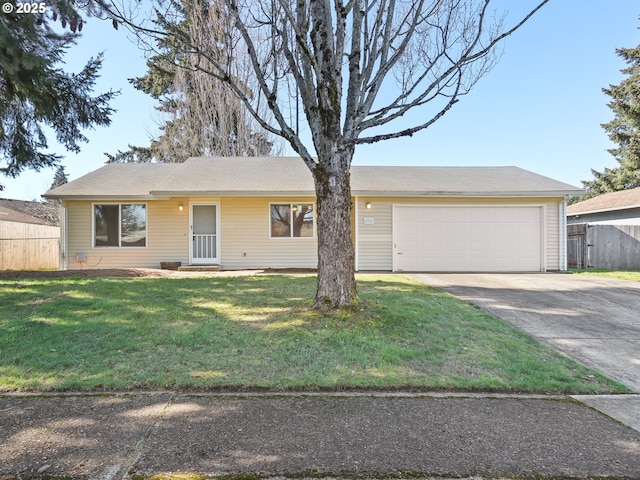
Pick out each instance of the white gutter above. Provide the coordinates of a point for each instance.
(63, 261)
(106, 198)
(232, 193)
(505, 194)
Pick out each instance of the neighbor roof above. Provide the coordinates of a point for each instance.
(621, 200)
(28, 212)
(290, 176)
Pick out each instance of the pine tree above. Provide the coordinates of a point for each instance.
(624, 130)
(60, 177)
(203, 116)
(36, 92)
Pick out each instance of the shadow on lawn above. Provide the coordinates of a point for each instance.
(88, 333)
(259, 332)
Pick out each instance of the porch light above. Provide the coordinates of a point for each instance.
(180, 207)
(368, 204)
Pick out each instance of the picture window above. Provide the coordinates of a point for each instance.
(120, 225)
(291, 220)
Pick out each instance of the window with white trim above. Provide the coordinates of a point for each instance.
(290, 220)
(120, 225)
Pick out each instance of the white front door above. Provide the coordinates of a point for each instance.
(204, 248)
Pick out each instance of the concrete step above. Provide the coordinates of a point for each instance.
(199, 268)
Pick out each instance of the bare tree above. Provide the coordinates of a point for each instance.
(356, 68)
(204, 118)
(207, 118)
(199, 114)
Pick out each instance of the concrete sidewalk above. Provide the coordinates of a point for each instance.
(115, 436)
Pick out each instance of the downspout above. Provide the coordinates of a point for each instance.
(64, 236)
(562, 234)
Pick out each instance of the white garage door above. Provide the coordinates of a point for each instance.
(467, 239)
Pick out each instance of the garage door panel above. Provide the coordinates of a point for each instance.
(411, 232)
(456, 215)
(527, 230)
(481, 247)
(430, 234)
(502, 230)
(404, 215)
(530, 215)
(483, 231)
(455, 231)
(455, 238)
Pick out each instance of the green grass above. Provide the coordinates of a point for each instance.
(633, 275)
(258, 332)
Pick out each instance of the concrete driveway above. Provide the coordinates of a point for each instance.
(591, 319)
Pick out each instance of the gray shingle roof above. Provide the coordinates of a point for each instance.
(237, 176)
(607, 202)
(290, 176)
(501, 181)
(28, 212)
(118, 180)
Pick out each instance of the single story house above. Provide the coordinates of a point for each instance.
(615, 208)
(11, 215)
(31, 212)
(260, 213)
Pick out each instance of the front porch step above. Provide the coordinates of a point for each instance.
(199, 268)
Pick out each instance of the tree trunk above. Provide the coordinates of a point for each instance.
(336, 261)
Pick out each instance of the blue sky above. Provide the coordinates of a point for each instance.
(540, 108)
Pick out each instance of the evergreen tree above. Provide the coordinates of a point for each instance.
(624, 130)
(35, 92)
(203, 116)
(60, 177)
(133, 155)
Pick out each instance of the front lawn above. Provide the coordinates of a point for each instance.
(257, 332)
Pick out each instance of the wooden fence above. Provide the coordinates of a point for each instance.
(610, 247)
(577, 245)
(26, 246)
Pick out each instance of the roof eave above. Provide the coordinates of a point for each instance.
(537, 194)
(234, 193)
(158, 195)
(99, 197)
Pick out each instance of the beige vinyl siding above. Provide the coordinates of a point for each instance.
(553, 235)
(244, 236)
(167, 237)
(375, 241)
(244, 233)
(245, 223)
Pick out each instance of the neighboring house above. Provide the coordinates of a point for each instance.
(615, 208)
(604, 231)
(260, 213)
(29, 235)
(39, 213)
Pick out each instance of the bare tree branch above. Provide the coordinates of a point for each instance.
(356, 67)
